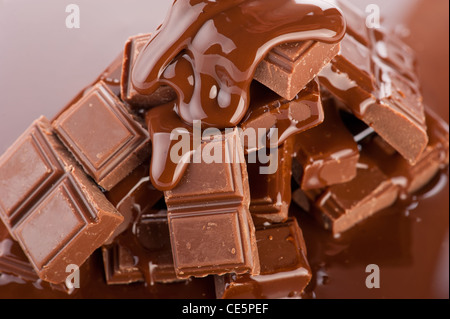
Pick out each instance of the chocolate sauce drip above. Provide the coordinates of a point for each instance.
(221, 44)
(208, 53)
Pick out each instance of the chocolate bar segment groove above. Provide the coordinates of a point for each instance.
(210, 224)
(82, 129)
(66, 219)
(285, 271)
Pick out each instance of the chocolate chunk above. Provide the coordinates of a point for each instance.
(269, 111)
(289, 67)
(285, 271)
(120, 265)
(327, 154)
(141, 254)
(342, 206)
(271, 193)
(105, 139)
(12, 259)
(133, 196)
(162, 95)
(377, 83)
(411, 178)
(14, 262)
(55, 212)
(210, 224)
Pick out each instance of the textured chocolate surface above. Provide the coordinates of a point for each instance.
(163, 95)
(327, 154)
(340, 207)
(58, 216)
(269, 111)
(210, 48)
(134, 196)
(285, 271)
(142, 253)
(271, 193)
(83, 126)
(412, 178)
(209, 219)
(375, 82)
(405, 239)
(289, 67)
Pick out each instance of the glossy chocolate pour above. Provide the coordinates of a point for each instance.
(408, 241)
(221, 44)
(208, 52)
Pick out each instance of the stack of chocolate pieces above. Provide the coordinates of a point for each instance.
(353, 136)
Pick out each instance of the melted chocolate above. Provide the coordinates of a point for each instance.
(408, 241)
(213, 39)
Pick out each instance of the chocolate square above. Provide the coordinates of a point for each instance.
(83, 128)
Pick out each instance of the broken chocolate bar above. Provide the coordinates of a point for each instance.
(342, 206)
(210, 224)
(142, 254)
(379, 89)
(285, 271)
(14, 263)
(271, 193)
(55, 212)
(412, 178)
(269, 111)
(83, 127)
(162, 95)
(327, 154)
(133, 196)
(12, 259)
(289, 67)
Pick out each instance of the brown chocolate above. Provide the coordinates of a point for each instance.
(327, 154)
(165, 172)
(285, 271)
(269, 111)
(12, 259)
(83, 128)
(271, 193)
(213, 40)
(289, 67)
(342, 206)
(55, 212)
(336, 262)
(210, 224)
(411, 178)
(133, 196)
(141, 254)
(375, 83)
(163, 95)
(14, 262)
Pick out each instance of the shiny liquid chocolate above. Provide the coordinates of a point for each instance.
(405, 240)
